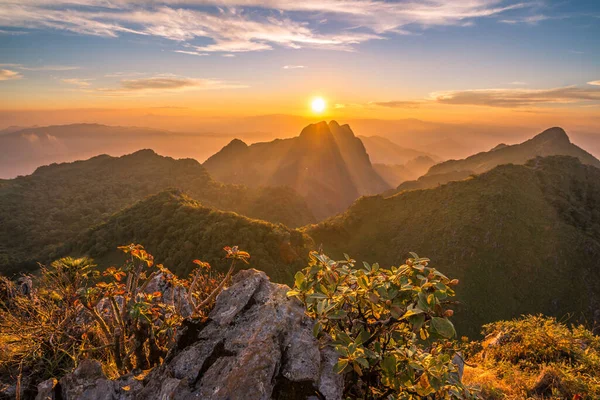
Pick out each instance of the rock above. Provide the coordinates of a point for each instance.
(256, 344)
(459, 362)
(174, 296)
(45, 390)
(87, 382)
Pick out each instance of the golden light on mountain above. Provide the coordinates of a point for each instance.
(318, 105)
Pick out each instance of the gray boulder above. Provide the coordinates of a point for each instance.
(256, 344)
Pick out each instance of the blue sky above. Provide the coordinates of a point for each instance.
(367, 57)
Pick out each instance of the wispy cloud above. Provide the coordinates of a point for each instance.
(398, 104)
(518, 83)
(595, 83)
(167, 83)
(530, 19)
(50, 68)
(8, 75)
(82, 83)
(517, 97)
(293, 66)
(251, 25)
(191, 53)
(41, 67)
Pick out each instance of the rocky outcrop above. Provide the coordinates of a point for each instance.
(256, 344)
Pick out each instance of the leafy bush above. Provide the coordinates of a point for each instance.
(537, 357)
(74, 312)
(389, 326)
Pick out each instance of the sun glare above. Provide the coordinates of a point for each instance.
(318, 105)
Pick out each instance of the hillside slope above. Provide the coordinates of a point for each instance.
(521, 238)
(178, 229)
(326, 164)
(41, 211)
(553, 141)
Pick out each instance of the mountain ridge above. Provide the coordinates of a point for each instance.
(552, 141)
(325, 163)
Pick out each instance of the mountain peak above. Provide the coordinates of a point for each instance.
(555, 134)
(236, 144)
(143, 153)
(315, 130)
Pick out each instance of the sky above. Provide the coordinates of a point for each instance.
(438, 60)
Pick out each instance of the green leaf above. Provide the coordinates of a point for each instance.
(362, 337)
(412, 311)
(338, 314)
(299, 279)
(363, 362)
(339, 366)
(443, 327)
(389, 365)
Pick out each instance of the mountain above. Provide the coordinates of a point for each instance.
(553, 141)
(521, 238)
(395, 174)
(25, 149)
(326, 164)
(177, 229)
(384, 151)
(39, 212)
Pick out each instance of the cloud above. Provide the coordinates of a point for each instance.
(7, 32)
(50, 68)
(398, 104)
(8, 75)
(167, 83)
(122, 74)
(77, 82)
(192, 53)
(518, 83)
(595, 83)
(517, 97)
(41, 67)
(531, 19)
(293, 66)
(251, 25)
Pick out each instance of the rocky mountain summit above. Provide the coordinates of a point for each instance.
(326, 164)
(255, 344)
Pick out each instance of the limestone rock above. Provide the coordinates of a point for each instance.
(256, 344)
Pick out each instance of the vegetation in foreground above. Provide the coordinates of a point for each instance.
(390, 326)
(535, 357)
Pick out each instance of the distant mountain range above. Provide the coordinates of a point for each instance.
(326, 164)
(384, 151)
(25, 149)
(40, 212)
(177, 229)
(521, 238)
(553, 141)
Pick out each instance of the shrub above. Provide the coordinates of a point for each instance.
(538, 357)
(389, 326)
(74, 311)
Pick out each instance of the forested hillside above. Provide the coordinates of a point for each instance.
(40, 212)
(178, 229)
(521, 238)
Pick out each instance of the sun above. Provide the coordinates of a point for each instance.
(318, 105)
